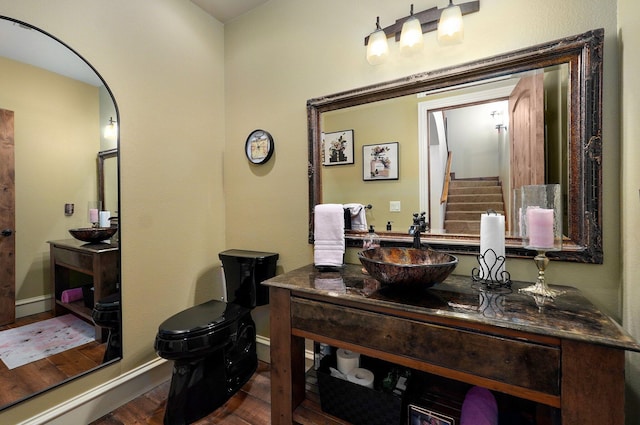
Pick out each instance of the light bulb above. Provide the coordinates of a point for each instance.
(411, 40)
(377, 49)
(450, 26)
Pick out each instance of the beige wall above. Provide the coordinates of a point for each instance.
(310, 49)
(57, 137)
(394, 120)
(164, 62)
(306, 50)
(629, 45)
(182, 123)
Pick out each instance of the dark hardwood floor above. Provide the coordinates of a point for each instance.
(23, 381)
(249, 406)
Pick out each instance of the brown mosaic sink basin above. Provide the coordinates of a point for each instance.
(93, 234)
(407, 266)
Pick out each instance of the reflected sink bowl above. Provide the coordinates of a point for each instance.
(93, 234)
(407, 267)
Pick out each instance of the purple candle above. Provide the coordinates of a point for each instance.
(93, 215)
(540, 227)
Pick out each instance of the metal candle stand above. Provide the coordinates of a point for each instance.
(490, 280)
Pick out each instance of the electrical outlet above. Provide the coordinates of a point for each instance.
(394, 206)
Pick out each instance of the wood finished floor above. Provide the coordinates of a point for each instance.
(249, 406)
(24, 381)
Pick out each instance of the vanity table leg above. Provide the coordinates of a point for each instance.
(287, 360)
(592, 384)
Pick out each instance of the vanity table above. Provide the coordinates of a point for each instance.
(563, 354)
(95, 264)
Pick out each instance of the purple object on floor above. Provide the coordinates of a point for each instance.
(479, 408)
(71, 295)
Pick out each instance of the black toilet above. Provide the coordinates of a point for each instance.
(213, 344)
(106, 314)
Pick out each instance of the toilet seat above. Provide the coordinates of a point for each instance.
(198, 330)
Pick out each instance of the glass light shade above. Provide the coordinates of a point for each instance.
(450, 26)
(111, 130)
(377, 49)
(411, 40)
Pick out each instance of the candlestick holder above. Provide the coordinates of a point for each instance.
(540, 287)
(490, 274)
(540, 216)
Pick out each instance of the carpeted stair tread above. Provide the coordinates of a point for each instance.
(468, 199)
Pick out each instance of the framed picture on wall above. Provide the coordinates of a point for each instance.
(380, 162)
(337, 147)
(419, 416)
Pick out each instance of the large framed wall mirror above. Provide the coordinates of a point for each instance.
(63, 160)
(531, 116)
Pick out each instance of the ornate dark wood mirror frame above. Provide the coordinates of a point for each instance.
(583, 53)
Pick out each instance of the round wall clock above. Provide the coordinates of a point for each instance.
(259, 146)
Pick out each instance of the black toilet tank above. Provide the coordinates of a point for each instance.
(243, 272)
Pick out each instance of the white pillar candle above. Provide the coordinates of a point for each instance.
(492, 237)
(540, 227)
(104, 218)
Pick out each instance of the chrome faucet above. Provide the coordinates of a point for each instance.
(419, 225)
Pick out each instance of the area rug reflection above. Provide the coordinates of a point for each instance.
(26, 344)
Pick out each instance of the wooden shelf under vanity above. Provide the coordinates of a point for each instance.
(74, 262)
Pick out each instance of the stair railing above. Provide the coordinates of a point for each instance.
(447, 180)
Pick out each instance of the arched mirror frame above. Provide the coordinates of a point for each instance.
(100, 190)
(583, 53)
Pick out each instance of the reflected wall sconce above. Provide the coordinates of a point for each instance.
(408, 30)
(111, 129)
(498, 119)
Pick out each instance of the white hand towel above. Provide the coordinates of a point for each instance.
(358, 216)
(328, 246)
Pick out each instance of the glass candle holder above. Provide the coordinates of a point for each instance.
(540, 225)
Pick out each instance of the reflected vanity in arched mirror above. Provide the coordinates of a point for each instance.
(419, 113)
(62, 160)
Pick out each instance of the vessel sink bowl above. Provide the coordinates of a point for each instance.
(407, 267)
(93, 234)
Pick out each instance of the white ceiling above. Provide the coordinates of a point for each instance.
(24, 44)
(225, 10)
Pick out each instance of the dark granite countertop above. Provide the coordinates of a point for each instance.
(85, 246)
(568, 316)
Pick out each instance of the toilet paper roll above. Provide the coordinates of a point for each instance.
(361, 376)
(104, 218)
(347, 360)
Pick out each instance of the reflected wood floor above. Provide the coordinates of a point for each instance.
(24, 381)
(249, 406)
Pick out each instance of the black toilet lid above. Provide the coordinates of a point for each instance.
(212, 316)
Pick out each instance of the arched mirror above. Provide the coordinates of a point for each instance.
(58, 159)
(531, 116)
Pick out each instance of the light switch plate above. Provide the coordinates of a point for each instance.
(394, 206)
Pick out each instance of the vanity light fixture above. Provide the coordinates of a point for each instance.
(377, 47)
(447, 21)
(411, 40)
(111, 129)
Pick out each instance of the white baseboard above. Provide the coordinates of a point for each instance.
(35, 305)
(105, 398)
